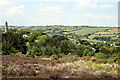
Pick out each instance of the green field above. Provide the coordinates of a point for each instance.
(89, 30)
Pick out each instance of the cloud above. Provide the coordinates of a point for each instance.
(64, 0)
(10, 8)
(102, 20)
(82, 4)
(106, 6)
(15, 10)
(97, 17)
(50, 8)
(87, 5)
(3, 3)
(43, 12)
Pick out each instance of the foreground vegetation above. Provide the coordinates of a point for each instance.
(67, 67)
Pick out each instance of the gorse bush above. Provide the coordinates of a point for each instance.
(101, 55)
(61, 55)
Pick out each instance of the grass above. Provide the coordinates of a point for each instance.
(88, 30)
(112, 31)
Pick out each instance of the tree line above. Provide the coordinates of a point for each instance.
(40, 44)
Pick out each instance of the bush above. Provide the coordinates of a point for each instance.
(86, 51)
(19, 54)
(12, 54)
(110, 61)
(1, 53)
(101, 55)
(69, 54)
(102, 61)
(91, 53)
(54, 57)
(30, 55)
(94, 59)
(16, 54)
(86, 58)
(115, 55)
(61, 55)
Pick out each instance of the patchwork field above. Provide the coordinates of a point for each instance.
(89, 30)
(111, 31)
(108, 33)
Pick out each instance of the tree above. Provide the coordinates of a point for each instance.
(106, 50)
(13, 42)
(33, 36)
(60, 38)
(84, 42)
(67, 46)
(80, 50)
(115, 50)
(90, 53)
(86, 51)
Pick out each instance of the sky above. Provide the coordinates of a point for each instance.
(59, 12)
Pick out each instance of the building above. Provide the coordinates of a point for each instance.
(25, 36)
(6, 27)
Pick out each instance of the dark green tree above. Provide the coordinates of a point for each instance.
(13, 42)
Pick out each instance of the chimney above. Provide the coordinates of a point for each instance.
(6, 26)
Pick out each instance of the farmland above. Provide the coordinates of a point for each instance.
(74, 32)
(89, 30)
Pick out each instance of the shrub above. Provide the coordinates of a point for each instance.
(16, 54)
(85, 58)
(102, 61)
(61, 55)
(57, 74)
(54, 57)
(86, 51)
(115, 55)
(28, 55)
(101, 55)
(91, 53)
(19, 54)
(83, 74)
(94, 59)
(73, 58)
(111, 61)
(69, 54)
(12, 54)
(1, 53)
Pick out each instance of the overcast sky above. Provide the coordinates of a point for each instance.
(59, 12)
